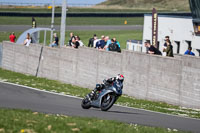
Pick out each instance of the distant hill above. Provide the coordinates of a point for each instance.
(174, 5)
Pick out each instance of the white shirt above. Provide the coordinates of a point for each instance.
(27, 42)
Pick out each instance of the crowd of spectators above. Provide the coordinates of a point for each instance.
(167, 49)
(105, 43)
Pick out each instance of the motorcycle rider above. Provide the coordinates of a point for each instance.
(118, 80)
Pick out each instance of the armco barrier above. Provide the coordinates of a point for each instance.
(171, 80)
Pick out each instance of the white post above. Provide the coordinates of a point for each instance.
(52, 20)
(63, 23)
(45, 34)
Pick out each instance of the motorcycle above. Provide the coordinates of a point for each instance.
(103, 99)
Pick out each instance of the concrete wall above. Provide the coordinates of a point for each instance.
(157, 78)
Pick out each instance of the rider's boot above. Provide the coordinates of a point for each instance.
(92, 94)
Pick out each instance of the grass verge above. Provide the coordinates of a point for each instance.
(24, 121)
(56, 86)
(99, 8)
(12, 20)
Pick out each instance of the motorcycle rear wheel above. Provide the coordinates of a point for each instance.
(86, 104)
(106, 103)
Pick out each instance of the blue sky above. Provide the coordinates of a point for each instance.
(57, 1)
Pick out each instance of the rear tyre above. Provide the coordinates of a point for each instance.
(86, 104)
(107, 101)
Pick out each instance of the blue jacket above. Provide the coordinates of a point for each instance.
(189, 53)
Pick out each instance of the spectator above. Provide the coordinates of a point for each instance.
(75, 43)
(108, 41)
(101, 43)
(151, 49)
(169, 49)
(95, 41)
(91, 41)
(12, 37)
(113, 46)
(115, 40)
(189, 52)
(71, 37)
(165, 45)
(55, 42)
(79, 41)
(27, 41)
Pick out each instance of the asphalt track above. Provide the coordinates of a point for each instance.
(11, 28)
(19, 97)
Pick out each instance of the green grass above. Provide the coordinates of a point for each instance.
(122, 36)
(72, 20)
(24, 121)
(175, 5)
(98, 8)
(56, 86)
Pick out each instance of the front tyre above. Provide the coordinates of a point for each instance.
(86, 104)
(107, 101)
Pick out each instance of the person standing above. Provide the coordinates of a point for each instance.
(113, 46)
(28, 40)
(91, 41)
(151, 49)
(75, 43)
(165, 45)
(101, 43)
(12, 37)
(70, 39)
(169, 49)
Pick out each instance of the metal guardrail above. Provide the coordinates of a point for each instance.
(22, 14)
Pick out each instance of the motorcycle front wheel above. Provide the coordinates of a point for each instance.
(107, 101)
(86, 104)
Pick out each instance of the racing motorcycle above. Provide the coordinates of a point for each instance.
(103, 99)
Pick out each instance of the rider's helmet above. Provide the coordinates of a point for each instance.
(120, 77)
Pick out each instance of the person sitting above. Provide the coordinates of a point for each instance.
(118, 81)
(189, 51)
(55, 42)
